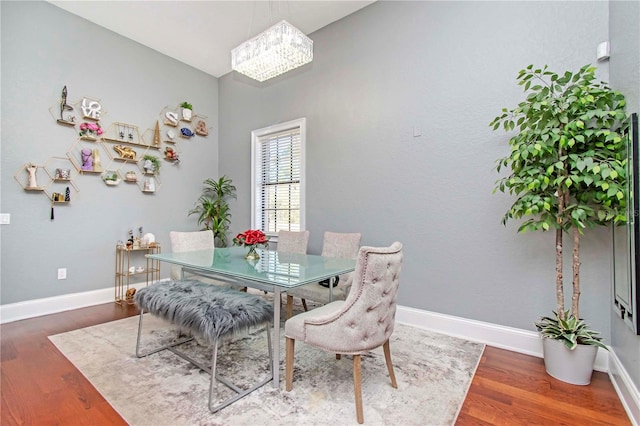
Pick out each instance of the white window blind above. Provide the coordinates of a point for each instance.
(278, 177)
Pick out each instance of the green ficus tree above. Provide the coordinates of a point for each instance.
(567, 165)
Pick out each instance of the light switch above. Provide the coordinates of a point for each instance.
(5, 218)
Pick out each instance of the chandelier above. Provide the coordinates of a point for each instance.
(275, 51)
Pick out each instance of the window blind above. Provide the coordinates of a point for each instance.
(279, 181)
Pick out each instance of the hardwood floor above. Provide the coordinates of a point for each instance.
(39, 386)
(513, 389)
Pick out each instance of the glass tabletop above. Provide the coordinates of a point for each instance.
(275, 268)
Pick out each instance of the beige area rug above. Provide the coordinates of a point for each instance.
(433, 373)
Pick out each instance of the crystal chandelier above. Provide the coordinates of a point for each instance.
(275, 51)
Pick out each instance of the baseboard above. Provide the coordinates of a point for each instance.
(512, 339)
(521, 341)
(52, 305)
(626, 389)
(509, 338)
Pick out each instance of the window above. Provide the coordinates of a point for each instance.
(277, 188)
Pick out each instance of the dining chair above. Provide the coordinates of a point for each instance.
(191, 241)
(188, 241)
(293, 241)
(362, 322)
(334, 244)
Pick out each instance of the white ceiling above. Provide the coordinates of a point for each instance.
(202, 33)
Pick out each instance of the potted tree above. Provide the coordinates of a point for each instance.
(567, 170)
(213, 209)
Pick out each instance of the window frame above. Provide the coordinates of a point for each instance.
(256, 136)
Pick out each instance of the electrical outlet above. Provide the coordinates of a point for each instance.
(62, 273)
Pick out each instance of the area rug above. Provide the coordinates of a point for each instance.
(433, 372)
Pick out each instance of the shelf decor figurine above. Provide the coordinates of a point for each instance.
(69, 120)
(201, 128)
(186, 132)
(131, 176)
(63, 174)
(150, 185)
(171, 155)
(124, 152)
(87, 160)
(32, 182)
(171, 118)
(156, 135)
(91, 109)
(97, 163)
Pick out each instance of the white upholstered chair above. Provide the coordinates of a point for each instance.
(354, 326)
(188, 241)
(293, 241)
(191, 241)
(334, 244)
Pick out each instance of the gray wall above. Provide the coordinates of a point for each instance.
(624, 22)
(449, 68)
(43, 49)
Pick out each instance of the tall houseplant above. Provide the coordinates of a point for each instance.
(213, 209)
(567, 170)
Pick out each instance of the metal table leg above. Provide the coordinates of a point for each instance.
(276, 337)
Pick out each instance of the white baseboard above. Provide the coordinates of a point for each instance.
(52, 305)
(521, 341)
(626, 389)
(509, 338)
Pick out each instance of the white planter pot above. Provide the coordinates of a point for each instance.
(186, 114)
(571, 366)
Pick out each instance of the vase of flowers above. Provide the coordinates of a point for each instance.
(90, 130)
(251, 238)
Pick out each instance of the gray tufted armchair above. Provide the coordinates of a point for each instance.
(362, 322)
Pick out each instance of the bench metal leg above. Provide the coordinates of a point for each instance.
(212, 371)
(161, 348)
(239, 392)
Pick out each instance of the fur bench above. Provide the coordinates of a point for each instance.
(208, 311)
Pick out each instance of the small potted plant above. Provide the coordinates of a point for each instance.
(111, 178)
(566, 167)
(151, 164)
(187, 111)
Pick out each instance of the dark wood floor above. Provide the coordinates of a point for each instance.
(40, 387)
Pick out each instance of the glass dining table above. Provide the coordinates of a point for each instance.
(274, 272)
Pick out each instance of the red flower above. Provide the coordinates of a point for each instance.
(250, 237)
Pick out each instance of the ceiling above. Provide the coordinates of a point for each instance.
(202, 33)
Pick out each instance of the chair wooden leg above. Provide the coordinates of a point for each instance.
(304, 305)
(288, 370)
(387, 357)
(357, 385)
(338, 356)
(289, 306)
